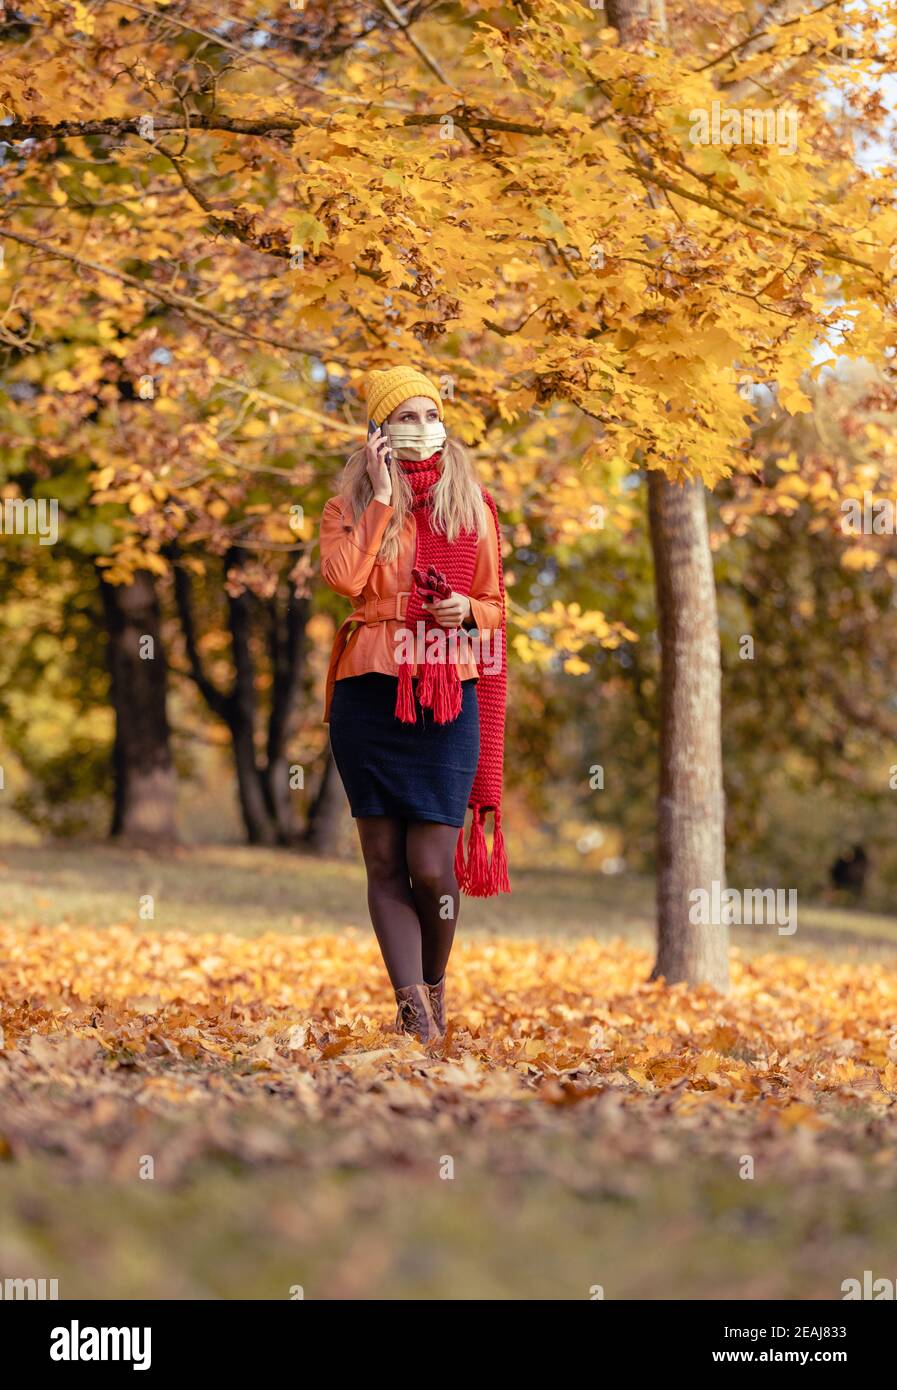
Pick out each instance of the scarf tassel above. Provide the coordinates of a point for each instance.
(482, 876)
(405, 708)
(498, 869)
(438, 689)
(446, 694)
(425, 685)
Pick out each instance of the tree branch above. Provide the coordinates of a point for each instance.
(217, 701)
(189, 307)
(132, 125)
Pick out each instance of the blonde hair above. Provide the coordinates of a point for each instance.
(457, 497)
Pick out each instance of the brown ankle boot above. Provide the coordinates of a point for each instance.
(437, 1003)
(415, 1016)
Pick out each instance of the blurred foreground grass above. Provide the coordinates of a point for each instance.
(686, 1231)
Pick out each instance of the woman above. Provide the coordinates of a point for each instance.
(416, 686)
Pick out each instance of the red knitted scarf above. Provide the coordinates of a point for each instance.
(480, 874)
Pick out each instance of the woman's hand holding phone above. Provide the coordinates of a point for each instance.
(378, 457)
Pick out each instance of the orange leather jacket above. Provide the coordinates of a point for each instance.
(380, 591)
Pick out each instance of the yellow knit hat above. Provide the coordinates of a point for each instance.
(387, 390)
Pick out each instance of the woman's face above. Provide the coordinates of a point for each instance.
(415, 431)
(418, 410)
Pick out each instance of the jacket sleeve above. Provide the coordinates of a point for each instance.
(486, 608)
(348, 552)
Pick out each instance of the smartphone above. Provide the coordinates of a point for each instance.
(372, 429)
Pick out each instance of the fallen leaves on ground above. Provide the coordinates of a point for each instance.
(235, 1042)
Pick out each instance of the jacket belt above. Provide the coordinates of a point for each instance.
(376, 610)
(381, 610)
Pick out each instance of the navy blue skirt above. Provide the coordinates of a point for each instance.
(421, 771)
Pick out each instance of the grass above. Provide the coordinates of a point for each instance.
(236, 889)
(247, 891)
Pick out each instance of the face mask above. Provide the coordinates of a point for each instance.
(416, 442)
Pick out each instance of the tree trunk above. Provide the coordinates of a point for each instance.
(250, 786)
(241, 719)
(690, 828)
(632, 19)
(690, 821)
(286, 645)
(264, 788)
(328, 811)
(145, 782)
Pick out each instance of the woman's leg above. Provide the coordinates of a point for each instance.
(430, 852)
(390, 901)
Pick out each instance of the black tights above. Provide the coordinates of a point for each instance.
(412, 894)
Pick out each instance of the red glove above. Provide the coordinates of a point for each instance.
(432, 584)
